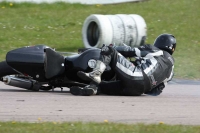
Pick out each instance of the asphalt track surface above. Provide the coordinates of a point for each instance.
(178, 104)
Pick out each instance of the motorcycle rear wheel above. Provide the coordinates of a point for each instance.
(5, 69)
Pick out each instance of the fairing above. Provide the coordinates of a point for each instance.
(28, 60)
(79, 62)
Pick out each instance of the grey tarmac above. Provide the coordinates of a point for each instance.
(178, 104)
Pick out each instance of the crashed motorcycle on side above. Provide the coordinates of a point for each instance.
(42, 68)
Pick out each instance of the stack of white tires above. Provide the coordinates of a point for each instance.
(114, 29)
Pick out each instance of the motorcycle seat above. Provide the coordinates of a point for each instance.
(54, 63)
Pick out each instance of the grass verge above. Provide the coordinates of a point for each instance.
(78, 127)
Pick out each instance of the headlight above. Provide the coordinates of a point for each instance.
(92, 63)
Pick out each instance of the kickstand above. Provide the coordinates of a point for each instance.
(52, 88)
(61, 88)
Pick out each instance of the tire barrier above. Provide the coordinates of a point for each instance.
(114, 29)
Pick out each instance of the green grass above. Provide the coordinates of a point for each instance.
(53, 127)
(59, 25)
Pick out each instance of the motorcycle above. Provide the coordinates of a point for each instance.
(42, 68)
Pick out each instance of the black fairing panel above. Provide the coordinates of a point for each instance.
(28, 60)
(79, 62)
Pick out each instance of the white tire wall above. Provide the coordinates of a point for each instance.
(97, 30)
(113, 29)
(141, 29)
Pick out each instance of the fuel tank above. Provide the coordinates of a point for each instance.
(29, 61)
(80, 62)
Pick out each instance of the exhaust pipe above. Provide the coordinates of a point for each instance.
(21, 83)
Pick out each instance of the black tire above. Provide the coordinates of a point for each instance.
(5, 69)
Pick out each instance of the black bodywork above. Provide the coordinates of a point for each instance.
(46, 65)
(28, 61)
